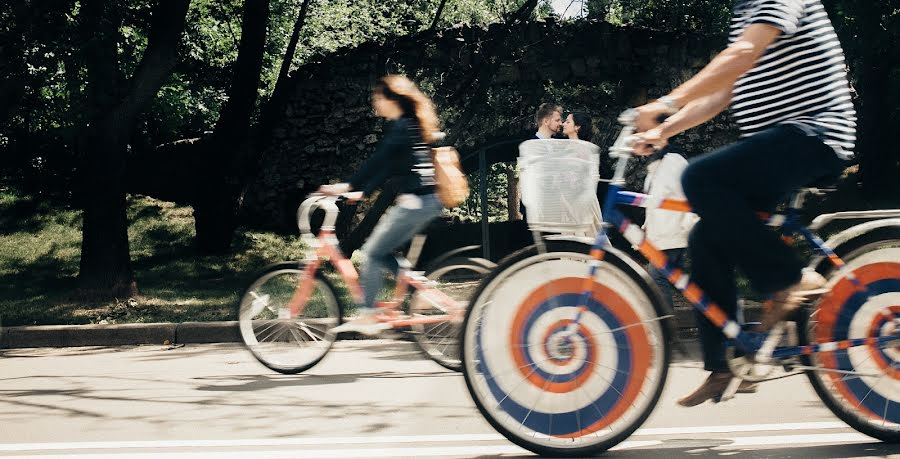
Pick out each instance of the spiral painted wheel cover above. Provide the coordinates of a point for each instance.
(849, 313)
(562, 380)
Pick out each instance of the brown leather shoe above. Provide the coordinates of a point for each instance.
(786, 301)
(711, 389)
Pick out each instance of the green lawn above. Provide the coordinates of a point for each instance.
(39, 253)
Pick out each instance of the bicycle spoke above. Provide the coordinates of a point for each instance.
(275, 327)
(531, 410)
(521, 382)
(269, 324)
(295, 334)
(306, 330)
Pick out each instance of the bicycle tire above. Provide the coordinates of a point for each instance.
(312, 339)
(875, 258)
(457, 278)
(603, 416)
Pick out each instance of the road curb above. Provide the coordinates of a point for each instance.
(199, 333)
(207, 332)
(130, 334)
(87, 335)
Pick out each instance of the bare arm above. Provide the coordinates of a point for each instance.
(696, 113)
(693, 114)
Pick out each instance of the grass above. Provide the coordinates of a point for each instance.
(40, 246)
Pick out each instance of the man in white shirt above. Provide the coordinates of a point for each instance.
(548, 119)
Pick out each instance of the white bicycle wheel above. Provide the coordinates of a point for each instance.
(283, 343)
(549, 388)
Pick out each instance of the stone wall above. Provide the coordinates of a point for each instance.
(327, 127)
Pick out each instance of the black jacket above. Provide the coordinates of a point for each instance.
(401, 155)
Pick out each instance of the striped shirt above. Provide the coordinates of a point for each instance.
(802, 77)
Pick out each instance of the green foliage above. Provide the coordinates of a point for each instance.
(42, 105)
(682, 15)
(497, 191)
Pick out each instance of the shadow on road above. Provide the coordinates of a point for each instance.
(262, 382)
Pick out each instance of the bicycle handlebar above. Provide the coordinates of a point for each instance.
(310, 204)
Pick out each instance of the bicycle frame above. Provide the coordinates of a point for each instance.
(326, 247)
(763, 344)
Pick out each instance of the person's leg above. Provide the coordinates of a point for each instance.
(395, 229)
(675, 256)
(713, 271)
(726, 186)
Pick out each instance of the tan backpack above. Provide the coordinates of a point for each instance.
(451, 182)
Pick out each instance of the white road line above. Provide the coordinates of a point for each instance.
(332, 453)
(314, 454)
(395, 439)
(459, 450)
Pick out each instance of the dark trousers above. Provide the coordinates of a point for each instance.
(726, 188)
(676, 257)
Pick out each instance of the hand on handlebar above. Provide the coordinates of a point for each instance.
(353, 196)
(650, 141)
(651, 115)
(335, 190)
(342, 190)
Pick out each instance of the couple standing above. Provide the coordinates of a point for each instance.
(666, 230)
(549, 122)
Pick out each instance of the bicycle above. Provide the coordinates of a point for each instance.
(287, 313)
(566, 345)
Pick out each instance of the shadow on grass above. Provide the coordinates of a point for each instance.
(26, 214)
(176, 284)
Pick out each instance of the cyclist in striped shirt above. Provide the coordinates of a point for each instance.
(784, 78)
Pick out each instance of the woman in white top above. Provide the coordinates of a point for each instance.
(578, 126)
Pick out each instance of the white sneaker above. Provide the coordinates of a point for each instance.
(366, 323)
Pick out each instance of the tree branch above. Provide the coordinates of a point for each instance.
(233, 122)
(437, 15)
(291, 49)
(159, 57)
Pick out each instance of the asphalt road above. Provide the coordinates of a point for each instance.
(376, 399)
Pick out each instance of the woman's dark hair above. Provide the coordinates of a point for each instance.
(585, 127)
(412, 101)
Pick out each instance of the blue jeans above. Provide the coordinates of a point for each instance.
(726, 188)
(396, 228)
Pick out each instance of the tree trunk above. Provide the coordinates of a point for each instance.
(215, 208)
(275, 106)
(105, 267)
(513, 197)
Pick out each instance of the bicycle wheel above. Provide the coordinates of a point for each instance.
(283, 343)
(550, 389)
(868, 399)
(458, 278)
